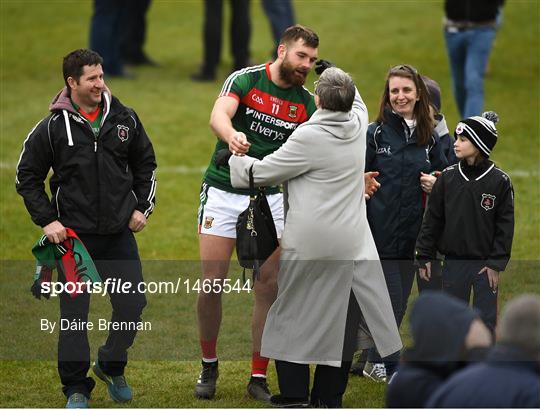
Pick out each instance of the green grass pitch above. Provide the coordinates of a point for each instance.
(364, 37)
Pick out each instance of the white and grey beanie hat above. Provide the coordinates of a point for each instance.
(480, 131)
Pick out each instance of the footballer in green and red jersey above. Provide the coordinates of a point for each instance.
(266, 114)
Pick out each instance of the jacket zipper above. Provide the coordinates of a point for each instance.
(57, 205)
(97, 167)
(98, 179)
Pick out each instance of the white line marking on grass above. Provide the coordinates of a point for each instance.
(181, 169)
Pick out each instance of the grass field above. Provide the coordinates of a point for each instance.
(363, 37)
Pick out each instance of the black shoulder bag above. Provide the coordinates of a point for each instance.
(256, 237)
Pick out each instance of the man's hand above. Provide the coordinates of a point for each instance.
(427, 181)
(322, 65)
(425, 273)
(493, 277)
(370, 184)
(238, 144)
(137, 222)
(55, 232)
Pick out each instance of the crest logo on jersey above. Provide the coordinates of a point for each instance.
(292, 111)
(488, 201)
(123, 132)
(208, 222)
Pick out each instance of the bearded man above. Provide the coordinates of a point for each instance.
(256, 111)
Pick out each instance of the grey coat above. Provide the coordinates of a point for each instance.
(327, 248)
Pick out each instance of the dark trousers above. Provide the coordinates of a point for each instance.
(399, 277)
(105, 29)
(240, 34)
(133, 32)
(281, 16)
(330, 382)
(115, 256)
(460, 277)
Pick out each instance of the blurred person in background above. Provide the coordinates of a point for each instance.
(280, 14)
(510, 376)
(447, 335)
(401, 145)
(106, 29)
(133, 34)
(240, 27)
(469, 30)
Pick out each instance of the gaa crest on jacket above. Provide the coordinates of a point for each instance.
(488, 201)
(123, 132)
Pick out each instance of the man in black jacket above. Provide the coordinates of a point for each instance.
(103, 187)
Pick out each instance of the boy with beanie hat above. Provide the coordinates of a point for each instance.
(470, 219)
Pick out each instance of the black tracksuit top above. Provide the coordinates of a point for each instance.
(470, 215)
(97, 182)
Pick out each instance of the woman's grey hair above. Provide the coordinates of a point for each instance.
(520, 324)
(336, 90)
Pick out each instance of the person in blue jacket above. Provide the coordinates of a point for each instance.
(401, 144)
(510, 377)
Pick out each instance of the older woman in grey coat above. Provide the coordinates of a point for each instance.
(332, 297)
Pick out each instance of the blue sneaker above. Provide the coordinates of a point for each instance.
(77, 401)
(118, 388)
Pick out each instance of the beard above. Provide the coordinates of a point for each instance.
(291, 75)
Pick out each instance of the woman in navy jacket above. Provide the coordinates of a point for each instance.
(401, 144)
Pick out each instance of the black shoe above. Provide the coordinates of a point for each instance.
(203, 77)
(358, 363)
(258, 389)
(124, 75)
(206, 383)
(140, 61)
(289, 402)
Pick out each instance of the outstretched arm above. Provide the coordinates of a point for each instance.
(220, 121)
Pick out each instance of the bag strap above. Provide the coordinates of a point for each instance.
(251, 183)
(254, 276)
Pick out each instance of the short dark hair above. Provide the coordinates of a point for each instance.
(336, 90)
(75, 61)
(296, 32)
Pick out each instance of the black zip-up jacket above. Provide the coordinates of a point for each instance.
(97, 182)
(473, 11)
(395, 211)
(470, 215)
